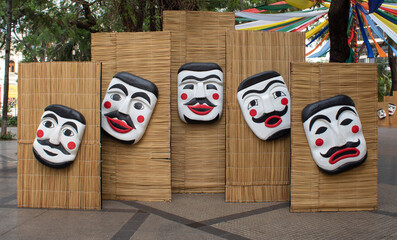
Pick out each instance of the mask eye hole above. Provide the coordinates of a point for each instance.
(252, 104)
(115, 97)
(347, 121)
(48, 124)
(278, 94)
(211, 86)
(138, 106)
(189, 86)
(321, 130)
(68, 133)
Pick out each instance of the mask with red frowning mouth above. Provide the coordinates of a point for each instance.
(200, 92)
(334, 133)
(127, 107)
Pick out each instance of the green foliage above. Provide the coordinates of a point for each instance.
(384, 79)
(8, 136)
(12, 121)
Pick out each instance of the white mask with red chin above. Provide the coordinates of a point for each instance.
(265, 104)
(334, 133)
(200, 92)
(128, 106)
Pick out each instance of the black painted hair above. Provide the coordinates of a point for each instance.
(66, 112)
(138, 82)
(257, 78)
(314, 108)
(199, 67)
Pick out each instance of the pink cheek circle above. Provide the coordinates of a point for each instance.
(141, 119)
(319, 142)
(71, 145)
(215, 96)
(40, 133)
(253, 112)
(107, 104)
(284, 101)
(355, 129)
(184, 96)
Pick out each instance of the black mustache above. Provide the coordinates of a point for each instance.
(121, 116)
(335, 149)
(60, 147)
(265, 116)
(200, 101)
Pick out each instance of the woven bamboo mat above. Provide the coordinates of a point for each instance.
(141, 171)
(77, 86)
(257, 170)
(311, 189)
(198, 151)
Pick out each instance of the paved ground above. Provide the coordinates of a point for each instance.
(200, 216)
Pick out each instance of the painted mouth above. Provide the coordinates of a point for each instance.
(342, 154)
(273, 121)
(119, 126)
(200, 109)
(50, 153)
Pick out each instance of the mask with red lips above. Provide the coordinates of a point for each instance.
(200, 92)
(334, 133)
(264, 102)
(127, 107)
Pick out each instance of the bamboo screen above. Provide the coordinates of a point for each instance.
(198, 151)
(311, 189)
(389, 121)
(77, 86)
(141, 171)
(257, 170)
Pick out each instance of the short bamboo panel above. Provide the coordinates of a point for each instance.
(257, 170)
(76, 85)
(198, 150)
(311, 189)
(389, 121)
(140, 171)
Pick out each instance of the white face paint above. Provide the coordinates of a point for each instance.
(392, 109)
(58, 138)
(200, 95)
(265, 105)
(335, 138)
(126, 110)
(381, 113)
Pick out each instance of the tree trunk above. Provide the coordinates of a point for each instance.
(6, 69)
(392, 65)
(338, 16)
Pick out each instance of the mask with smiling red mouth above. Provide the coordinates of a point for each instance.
(120, 122)
(200, 106)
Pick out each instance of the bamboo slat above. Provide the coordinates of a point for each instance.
(76, 85)
(141, 171)
(311, 189)
(198, 151)
(257, 170)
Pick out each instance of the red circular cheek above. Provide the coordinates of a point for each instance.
(140, 119)
(71, 145)
(319, 142)
(284, 101)
(40, 133)
(253, 112)
(215, 96)
(107, 104)
(355, 129)
(184, 96)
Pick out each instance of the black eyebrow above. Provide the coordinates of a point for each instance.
(72, 124)
(50, 115)
(264, 90)
(201, 79)
(342, 109)
(121, 87)
(142, 95)
(315, 118)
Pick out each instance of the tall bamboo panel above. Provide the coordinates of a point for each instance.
(141, 171)
(389, 121)
(257, 170)
(77, 86)
(311, 189)
(198, 151)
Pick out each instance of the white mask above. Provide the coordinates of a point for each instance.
(59, 136)
(392, 109)
(127, 107)
(381, 113)
(265, 103)
(334, 133)
(200, 92)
